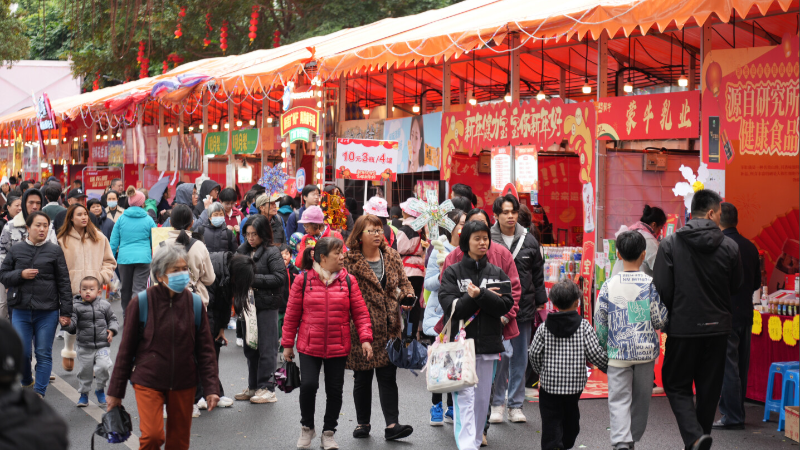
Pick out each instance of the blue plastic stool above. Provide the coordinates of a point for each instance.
(774, 405)
(790, 379)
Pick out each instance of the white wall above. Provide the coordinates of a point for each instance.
(24, 77)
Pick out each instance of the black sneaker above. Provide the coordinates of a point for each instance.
(704, 443)
(362, 431)
(398, 432)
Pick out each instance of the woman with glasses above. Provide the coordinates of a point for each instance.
(378, 270)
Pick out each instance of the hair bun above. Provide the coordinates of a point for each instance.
(647, 210)
(131, 191)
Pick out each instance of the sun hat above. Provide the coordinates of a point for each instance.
(312, 214)
(405, 206)
(377, 207)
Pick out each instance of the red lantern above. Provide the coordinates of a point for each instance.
(253, 23)
(223, 36)
(276, 40)
(96, 83)
(181, 15)
(165, 67)
(209, 29)
(140, 54)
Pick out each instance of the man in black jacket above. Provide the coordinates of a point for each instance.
(695, 272)
(737, 363)
(528, 259)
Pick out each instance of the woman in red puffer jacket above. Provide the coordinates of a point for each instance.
(321, 304)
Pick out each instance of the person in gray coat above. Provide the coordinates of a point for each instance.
(95, 325)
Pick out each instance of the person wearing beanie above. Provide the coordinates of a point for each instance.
(130, 240)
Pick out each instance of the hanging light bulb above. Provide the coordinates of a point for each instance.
(586, 88)
(628, 87)
(540, 96)
(84, 136)
(214, 126)
(415, 108)
(319, 143)
(200, 126)
(507, 97)
(366, 111)
(683, 81)
(283, 145)
(170, 130)
(319, 153)
(191, 128)
(283, 154)
(319, 104)
(97, 137)
(75, 139)
(118, 134)
(105, 138)
(473, 101)
(227, 126)
(238, 123)
(269, 119)
(319, 163)
(252, 122)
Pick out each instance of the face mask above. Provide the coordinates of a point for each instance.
(112, 204)
(178, 281)
(217, 221)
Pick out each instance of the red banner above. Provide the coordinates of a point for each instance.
(99, 152)
(675, 115)
(99, 179)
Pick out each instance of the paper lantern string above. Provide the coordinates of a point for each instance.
(273, 180)
(432, 214)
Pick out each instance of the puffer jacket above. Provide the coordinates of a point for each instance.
(130, 238)
(220, 295)
(322, 313)
(15, 230)
(50, 290)
(218, 239)
(301, 246)
(92, 321)
(87, 258)
(530, 268)
(270, 275)
(487, 328)
(409, 245)
(433, 309)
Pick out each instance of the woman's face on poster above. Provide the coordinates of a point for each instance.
(416, 143)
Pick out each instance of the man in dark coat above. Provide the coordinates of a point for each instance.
(696, 271)
(737, 363)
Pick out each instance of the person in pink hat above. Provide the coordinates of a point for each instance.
(411, 245)
(313, 221)
(378, 207)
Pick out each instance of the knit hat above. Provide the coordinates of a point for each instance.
(312, 214)
(377, 207)
(135, 198)
(405, 207)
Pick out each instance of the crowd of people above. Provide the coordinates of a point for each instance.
(288, 281)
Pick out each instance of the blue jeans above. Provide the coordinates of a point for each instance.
(511, 371)
(38, 327)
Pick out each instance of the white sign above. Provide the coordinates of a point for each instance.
(501, 168)
(364, 159)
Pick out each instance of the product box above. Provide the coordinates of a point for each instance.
(793, 423)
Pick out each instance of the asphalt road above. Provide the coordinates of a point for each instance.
(249, 426)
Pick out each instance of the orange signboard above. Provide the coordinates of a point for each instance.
(300, 117)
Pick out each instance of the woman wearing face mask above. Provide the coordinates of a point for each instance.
(42, 298)
(314, 222)
(88, 254)
(171, 352)
(464, 297)
(217, 236)
(113, 211)
(268, 285)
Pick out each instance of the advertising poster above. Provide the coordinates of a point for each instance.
(420, 141)
(361, 159)
(362, 129)
(424, 186)
(527, 169)
(501, 168)
(96, 181)
(116, 151)
(216, 143)
(244, 142)
(675, 115)
(750, 129)
(190, 159)
(168, 153)
(98, 152)
(150, 141)
(560, 194)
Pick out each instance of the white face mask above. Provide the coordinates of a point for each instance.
(217, 221)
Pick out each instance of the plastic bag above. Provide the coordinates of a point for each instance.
(413, 357)
(115, 427)
(287, 378)
(250, 322)
(451, 365)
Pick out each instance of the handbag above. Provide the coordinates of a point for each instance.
(451, 365)
(250, 322)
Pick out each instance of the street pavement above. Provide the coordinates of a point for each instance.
(277, 425)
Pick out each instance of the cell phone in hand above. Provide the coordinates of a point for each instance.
(505, 286)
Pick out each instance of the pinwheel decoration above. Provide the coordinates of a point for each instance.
(694, 184)
(433, 214)
(273, 179)
(335, 212)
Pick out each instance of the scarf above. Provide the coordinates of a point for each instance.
(324, 275)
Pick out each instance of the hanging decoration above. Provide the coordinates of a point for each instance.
(164, 67)
(335, 213)
(757, 323)
(694, 184)
(96, 83)
(209, 29)
(223, 36)
(432, 214)
(140, 54)
(789, 333)
(273, 179)
(253, 23)
(276, 39)
(181, 15)
(774, 328)
(144, 72)
(175, 59)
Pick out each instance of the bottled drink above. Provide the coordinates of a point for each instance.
(765, 300)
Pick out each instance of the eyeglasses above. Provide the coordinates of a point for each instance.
(373, 232)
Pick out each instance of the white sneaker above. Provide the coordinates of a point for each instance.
(515, 415)
(306, 435)
(239, 342)
(328, 443)
(195, 411)
(497, 414)
(264, 396)
(232, 323)
(658, 390)
(165, 411)
(202, 404)
(225, 402)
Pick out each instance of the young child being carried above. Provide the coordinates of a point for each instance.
(629, 311)
(559, 352)
(95, 325)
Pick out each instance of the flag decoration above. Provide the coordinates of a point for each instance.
(273, 179)
(432, 214)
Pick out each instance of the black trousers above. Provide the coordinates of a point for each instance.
(387, 390)
(560, 420)
(417, 311)
(701, 361)
(198, 393)
(437, 398)
(309, 385)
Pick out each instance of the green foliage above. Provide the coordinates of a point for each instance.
(15, 43)
(49, 36)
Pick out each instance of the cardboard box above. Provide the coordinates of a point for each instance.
(793, 423)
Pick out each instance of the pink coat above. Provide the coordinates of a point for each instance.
(502, 258)
(322, 314)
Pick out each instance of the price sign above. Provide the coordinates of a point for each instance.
(527, 168)
(501, 168)
(364, 159)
